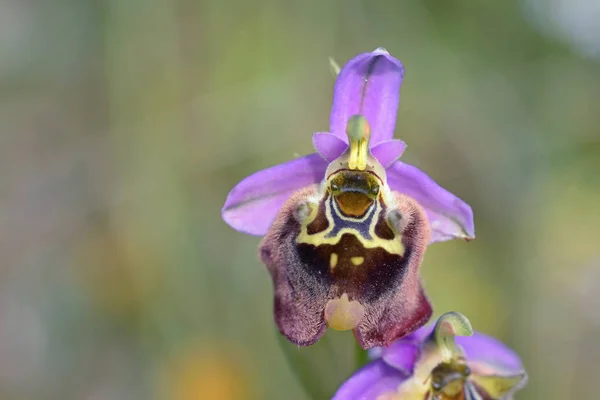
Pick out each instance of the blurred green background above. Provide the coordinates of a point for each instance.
(124, 124)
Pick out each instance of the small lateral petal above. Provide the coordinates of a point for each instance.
(449, 216)
(252, 204)
(369, 85)
(370, 382)
(329, 146)
(388, 151)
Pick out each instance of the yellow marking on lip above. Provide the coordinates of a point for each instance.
(357, 260)
(333, 260)
(343, 314)
(392, 246)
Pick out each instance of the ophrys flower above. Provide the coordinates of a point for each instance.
(444, 362)
(346, 228)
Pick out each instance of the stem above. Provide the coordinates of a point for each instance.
(304, 373)
(361, 356)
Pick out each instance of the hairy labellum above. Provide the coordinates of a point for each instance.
(347, 254)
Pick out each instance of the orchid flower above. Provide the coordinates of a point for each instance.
(444, 362)
(346, 229)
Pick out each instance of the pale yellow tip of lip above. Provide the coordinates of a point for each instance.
(343, 314)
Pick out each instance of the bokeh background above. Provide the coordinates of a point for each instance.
(124, 124)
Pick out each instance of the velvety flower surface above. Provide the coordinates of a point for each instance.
(368, 85)
(346, 229)
(447, 361)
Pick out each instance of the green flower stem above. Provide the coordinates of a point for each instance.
(302, 370)
(361, 356)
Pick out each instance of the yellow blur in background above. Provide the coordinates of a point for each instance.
(124, 124)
